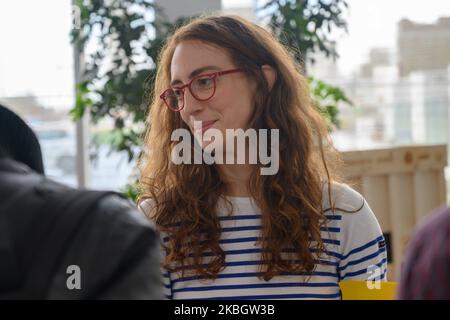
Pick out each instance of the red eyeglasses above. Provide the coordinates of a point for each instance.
(202, 88)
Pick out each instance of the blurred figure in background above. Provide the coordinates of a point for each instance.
(426, 270)
(17, 138)
(60, 243)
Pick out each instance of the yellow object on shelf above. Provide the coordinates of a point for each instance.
(368, 290)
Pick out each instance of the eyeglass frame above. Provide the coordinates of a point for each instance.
(213, 76)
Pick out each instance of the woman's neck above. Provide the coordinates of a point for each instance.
(236, 178)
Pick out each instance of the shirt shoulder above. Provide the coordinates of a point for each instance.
(342, 197)
(146, 207)
(362, 246)
(358, 222)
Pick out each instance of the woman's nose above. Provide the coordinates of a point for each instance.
(191, 105)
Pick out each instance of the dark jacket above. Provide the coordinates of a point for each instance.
(115, 248)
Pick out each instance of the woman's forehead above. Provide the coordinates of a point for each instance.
(190, 55)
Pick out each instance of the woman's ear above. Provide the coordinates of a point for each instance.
(270, 74)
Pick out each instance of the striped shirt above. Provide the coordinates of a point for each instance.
(355, 250)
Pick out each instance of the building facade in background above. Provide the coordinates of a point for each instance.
(174, 9)
(423, 46)
(401, 95)
(421, 108)
(378, 57)
(248, 12)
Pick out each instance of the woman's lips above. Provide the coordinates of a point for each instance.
(205, 126)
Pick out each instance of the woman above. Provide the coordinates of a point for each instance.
(228, 230)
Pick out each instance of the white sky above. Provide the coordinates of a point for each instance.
(35, 56)
(374, 24)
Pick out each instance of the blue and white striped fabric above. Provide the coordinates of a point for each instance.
(355, 251)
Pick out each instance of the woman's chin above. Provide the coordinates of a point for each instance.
(211, 146)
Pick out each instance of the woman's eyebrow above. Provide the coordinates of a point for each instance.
(194, 73)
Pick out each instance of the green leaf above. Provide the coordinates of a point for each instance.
(327, 99)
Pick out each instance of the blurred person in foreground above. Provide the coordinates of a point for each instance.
(61, 243)
(426, 269)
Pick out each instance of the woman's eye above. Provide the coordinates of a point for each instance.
(205, 82)
(178, 93)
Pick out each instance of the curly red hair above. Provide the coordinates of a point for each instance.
(185, 197)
